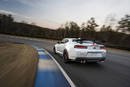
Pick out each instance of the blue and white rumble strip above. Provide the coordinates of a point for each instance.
(49, 73)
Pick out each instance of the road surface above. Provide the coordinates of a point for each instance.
(114, 72)
(18, 65)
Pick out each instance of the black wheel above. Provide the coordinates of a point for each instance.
(65, 57)
(54, 50)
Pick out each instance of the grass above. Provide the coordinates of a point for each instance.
(118, 50)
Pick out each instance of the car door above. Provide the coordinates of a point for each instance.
(59, 46)
(62, 47)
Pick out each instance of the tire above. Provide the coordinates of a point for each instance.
(65, 57)
(54, 50)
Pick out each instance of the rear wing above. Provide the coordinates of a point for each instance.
(93, 41)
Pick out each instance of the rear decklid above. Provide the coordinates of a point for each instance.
(86, 44)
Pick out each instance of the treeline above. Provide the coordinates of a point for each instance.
(9, 26)
(116, 37)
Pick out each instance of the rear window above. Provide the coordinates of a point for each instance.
(90, 42)
(83, 41)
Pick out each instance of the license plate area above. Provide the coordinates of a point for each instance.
(94, 54)
(93, 47)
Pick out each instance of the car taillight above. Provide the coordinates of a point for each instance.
(80, 47)
(102, 48)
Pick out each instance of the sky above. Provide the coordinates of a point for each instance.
(54, 13)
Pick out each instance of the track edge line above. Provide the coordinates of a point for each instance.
(62, 70)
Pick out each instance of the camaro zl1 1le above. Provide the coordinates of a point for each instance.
(76, 49)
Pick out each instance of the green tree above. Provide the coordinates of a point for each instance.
(124, 24)
(91, 25)
(83, 31)
(71, 29)
(91, 28)
(74, 29)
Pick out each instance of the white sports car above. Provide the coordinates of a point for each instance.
(76, 49)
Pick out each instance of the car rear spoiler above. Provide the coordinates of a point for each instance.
(94, 41)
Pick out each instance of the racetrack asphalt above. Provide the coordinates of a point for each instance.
(114, 72)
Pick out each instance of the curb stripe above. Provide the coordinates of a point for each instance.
(41, 53)
(49, 74)
(40, 50)
(62, 70)
(45, 57)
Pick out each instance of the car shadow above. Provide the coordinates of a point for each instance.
(87, 64)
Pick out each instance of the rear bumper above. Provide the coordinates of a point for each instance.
(87, 55)
(99, 59)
